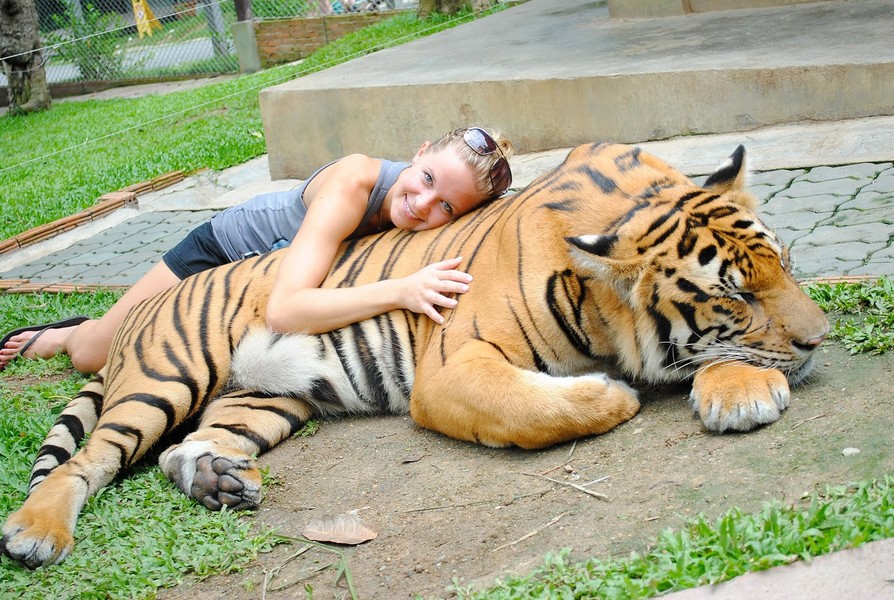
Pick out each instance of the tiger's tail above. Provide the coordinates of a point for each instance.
(76, 421)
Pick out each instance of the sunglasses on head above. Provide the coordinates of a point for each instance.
(483, 144)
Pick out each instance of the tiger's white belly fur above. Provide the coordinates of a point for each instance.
(336, 374)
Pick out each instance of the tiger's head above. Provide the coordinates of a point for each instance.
(707, 281)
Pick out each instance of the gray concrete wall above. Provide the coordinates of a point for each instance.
(557, 113)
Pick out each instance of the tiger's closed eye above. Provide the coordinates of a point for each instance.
(743, 297)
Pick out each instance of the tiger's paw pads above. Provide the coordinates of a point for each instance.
(739, 398)
(215, 478)
(221, 481)
(34, 543)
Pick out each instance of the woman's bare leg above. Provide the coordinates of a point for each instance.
(88, 344)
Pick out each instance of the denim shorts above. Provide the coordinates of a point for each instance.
(197, 252)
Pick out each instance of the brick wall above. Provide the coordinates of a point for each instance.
(284, 40)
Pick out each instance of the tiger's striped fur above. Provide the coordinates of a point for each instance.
(613, 264)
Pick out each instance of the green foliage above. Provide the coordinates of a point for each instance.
(90, 41)
(711, 552)
(309, 429)
(127, 544)
(863, 313)
(58, 162)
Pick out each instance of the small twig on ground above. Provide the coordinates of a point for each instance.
(343, 571)
(567, 460)
(269, 575)
(308, 575)
(530, 533)
(598, 480)
(579, 488)
(801, 422)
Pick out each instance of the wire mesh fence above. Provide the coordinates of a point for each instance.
(121, 40)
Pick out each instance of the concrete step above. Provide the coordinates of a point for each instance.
(556, 73)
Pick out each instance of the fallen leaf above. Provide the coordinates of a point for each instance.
(413, 458)
(340, 529)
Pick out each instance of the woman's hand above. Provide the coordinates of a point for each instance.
(425, 289)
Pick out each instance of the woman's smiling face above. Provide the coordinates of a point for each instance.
(437, 188)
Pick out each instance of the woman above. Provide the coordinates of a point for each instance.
(351, 197)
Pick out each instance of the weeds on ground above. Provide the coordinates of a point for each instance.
(862, 313)
(22, 310)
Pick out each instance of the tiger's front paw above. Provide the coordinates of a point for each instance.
(35, 539)
(215, 476)
(738, 397)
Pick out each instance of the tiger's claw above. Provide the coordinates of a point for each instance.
(34, 543)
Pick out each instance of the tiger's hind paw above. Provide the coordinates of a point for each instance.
(217, 477)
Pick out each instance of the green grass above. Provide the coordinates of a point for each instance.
(18, 310)
(56, 163)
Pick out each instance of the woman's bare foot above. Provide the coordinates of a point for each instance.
(33, 343)
(48, 344)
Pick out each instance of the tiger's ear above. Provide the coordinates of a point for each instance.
(729, 180)
(730, 174)
(606, 254)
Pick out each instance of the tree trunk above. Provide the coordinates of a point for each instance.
(449, 7)
(21, 57)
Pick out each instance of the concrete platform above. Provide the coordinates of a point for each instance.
(556, 73)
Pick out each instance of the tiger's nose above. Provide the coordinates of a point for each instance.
(813, 343)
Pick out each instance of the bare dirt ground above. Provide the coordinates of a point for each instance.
(474, 514)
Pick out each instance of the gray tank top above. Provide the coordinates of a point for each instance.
(270, 221)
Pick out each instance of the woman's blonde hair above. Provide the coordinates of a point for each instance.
(483, 165)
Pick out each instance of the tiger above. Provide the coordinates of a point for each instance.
(611, 270)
